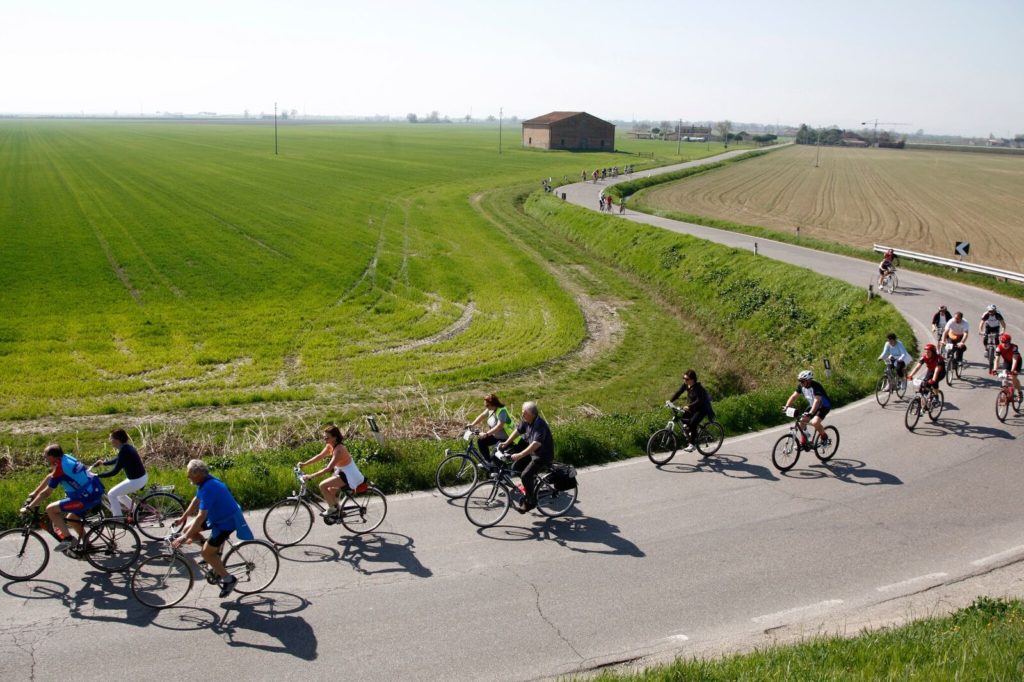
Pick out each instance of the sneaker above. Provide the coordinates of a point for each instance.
(227, 586)
(825, 442)
(689, 448)
(64, 545)
(330, 513)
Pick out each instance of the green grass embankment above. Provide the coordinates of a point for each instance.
(984, 641)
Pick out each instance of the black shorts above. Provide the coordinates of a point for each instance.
(820, 412)
(217, 537)
(1007, 366)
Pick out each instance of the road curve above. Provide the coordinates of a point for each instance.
(692, 557)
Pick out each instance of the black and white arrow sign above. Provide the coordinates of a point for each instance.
(962, 248)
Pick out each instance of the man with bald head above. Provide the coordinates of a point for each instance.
(536, 456)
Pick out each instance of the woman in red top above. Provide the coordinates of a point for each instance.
(1009, 353)
(935, 364)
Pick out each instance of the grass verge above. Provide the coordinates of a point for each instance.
(984, 641)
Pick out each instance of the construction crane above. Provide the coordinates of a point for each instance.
(876, 122)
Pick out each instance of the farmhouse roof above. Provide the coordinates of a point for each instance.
(553, 117)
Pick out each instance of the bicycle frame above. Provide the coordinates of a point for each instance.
(305, 495)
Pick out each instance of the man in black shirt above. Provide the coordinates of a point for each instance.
(535, 457)
(697, 404)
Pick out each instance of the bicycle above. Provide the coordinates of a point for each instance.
(954, 362)
(991, 341)
(152, 509)
(664, 443)
(489, 501)
(164, 579)
(110, 545)
(890, 383)
(933, 403)
(289, 521)
(458, 471)
(788, 448)
(890, 282)
(1007, 396)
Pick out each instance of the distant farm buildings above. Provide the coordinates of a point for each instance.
(569, 130)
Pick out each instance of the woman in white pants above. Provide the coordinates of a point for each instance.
(128, 459)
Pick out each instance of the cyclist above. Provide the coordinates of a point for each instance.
(218, 512)
(83, 492)
(1009, 353)
(935, 364)
(697, 408)
(537, 456)
(346, 472)
(956, 333)
(817, 399)
(991, 324)
(135, 473)
(499, 425)
(939, 321)
(894, 348)
(886, 266)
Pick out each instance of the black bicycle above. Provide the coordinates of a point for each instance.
(458, 471)
(489, 501)
(890, 382)
(289, 521)
(663, 445)
(788, 448)
(926, 400)
(991, 341)
(153, 509)
(110, 545)
(954, 362)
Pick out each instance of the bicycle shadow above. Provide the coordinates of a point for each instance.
(846, 470)
(266, 622)
(381, 553)
(731, 466)
(963, 429)
(308, 553)
(582, 534)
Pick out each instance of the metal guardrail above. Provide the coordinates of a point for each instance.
(954, 263)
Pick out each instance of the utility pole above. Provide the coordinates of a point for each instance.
(679, 136)
(501, 112)
(275, 128)
(817, 157)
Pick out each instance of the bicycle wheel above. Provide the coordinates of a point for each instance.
(23, 554)
(785, 453)
(1002, 405)
(255, 563)
(901, 387)
(455, 475)
(890, 284)
(935, 407)
(913, 414)
(288, 522)
(709, 438)
(827, 452)
(883, 390)
(487, 504)
(112, 546)
(959, 368)
(363, 512)
(161, 581)
(1017, 400)
(952, 369)
(662, 446)
(553, 502)
(153, 514)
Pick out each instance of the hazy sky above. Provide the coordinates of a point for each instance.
(945, 67)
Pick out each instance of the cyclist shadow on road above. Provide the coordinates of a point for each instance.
(266, 621)
(379, 553)
(733, 466)
(103, 597)
(308, 553)
(584, 534)
(846, 470)
(959, 427)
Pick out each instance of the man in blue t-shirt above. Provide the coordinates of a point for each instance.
(217, 511)
(83, 492)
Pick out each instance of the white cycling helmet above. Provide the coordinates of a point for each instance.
(991, 308)
(806, 375)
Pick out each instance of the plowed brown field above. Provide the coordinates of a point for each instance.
(918, 200)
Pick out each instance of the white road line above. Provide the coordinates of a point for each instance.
(931, 577)
(676, 638)
(998, 557)
(827, 604)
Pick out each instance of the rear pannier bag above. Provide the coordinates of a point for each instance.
(562, 476)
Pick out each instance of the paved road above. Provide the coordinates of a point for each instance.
(688, 558)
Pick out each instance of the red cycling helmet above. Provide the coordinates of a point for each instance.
(1005, 338)
(930, 346)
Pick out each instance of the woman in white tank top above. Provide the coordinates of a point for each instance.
(345, 471)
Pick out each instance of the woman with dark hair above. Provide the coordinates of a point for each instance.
(697, 407)
(346, 473)
(499, 425)
(135, 473)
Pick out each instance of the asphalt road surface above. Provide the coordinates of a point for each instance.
(697, 556)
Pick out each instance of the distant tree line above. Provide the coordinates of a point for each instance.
(839, 137)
